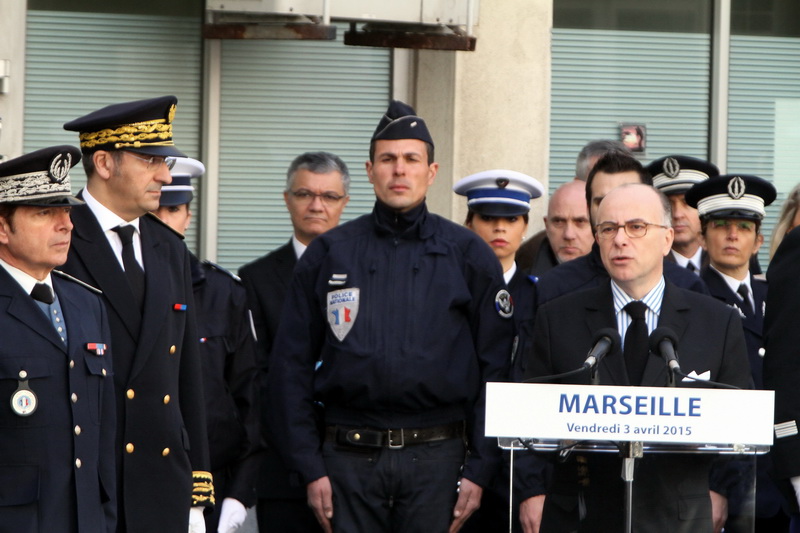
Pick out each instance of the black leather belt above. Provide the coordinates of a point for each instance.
(392, 438)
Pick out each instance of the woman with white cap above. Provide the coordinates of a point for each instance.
(499, 202)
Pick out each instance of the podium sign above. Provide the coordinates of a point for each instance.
(643, 414)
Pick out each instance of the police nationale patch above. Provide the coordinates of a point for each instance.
(342, 311)
(504, 304)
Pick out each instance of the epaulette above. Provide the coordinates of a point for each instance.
(155, 218)
(79, 282)
(223, 270)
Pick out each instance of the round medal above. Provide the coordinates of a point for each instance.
(24, 402)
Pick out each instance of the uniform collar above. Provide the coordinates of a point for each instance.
(392, 222)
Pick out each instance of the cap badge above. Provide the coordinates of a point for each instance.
(501, 182)
(171, 113)
(414, 124)
(59, 167)
(671, 167)
(736, 187)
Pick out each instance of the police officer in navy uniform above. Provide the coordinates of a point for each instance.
(57, 411)
(143, 269)
(731, 210)
(227, 349)
(393, 324)
(499, 202)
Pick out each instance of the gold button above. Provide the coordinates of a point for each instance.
(130, 394)
(72, 364)
(104, 371)
(172, 349)
(23, 374)
(165, 452)
(129, 447)
(166, 399)
(78, 463)
(77, 430)
(357, 436)
(74, 398)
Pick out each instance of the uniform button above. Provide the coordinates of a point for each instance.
(762, 352)
(104, 372)
(166, 399)
(23, 374)
(129, 447)
(165, 452)
(72, 364)
(357, 436)
(172, 349)
(130, 394)
(78, 463)
(77, 430)
(74, 398)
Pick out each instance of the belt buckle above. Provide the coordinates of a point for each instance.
(391, 444)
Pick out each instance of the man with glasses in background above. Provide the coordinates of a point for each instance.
(142, 267)
(317, 185)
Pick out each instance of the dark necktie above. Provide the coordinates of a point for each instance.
(690, 266)
(636, 349)
(748, 303)
(133, 270)
(42, 293)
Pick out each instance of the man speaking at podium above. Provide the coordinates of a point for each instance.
(671, 493)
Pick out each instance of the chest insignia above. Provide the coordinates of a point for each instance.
(342, 311)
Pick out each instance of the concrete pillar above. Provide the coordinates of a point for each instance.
(12, 49)
(490, 108)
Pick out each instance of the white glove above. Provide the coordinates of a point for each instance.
(197, 523)
(232, 516)
(796, 484)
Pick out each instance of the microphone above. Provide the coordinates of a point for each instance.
(662, 342)
(604, 342)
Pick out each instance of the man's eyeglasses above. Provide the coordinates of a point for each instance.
(633, 229)
(741, 225)
(328, 198)
(155, 161)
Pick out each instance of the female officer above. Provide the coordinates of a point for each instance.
(498, 202)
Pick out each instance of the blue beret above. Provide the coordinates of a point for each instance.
(401, 122)
(40, 178)
(143, 126)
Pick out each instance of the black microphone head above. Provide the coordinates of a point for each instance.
(661, 334)
(609, 333)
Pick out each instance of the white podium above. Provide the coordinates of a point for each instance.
(632, 420)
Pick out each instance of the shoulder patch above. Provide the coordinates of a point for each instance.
(218, 268)
(76, 280)
(504, 304)
(154, 218)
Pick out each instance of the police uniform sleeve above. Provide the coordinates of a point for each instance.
(290, 384)
(106, 458)
(782, 353)
(493, 333)
(241, 375)
(191, 400)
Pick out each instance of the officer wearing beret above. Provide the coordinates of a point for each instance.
(731, 210)
(143, 269)
(227, 350)
(57, 410)
(393, 324)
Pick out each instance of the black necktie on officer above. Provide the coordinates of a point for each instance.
(636, 347)
(744, 292)
(133, 270)
(42, 292)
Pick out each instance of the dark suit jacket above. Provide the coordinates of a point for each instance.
(536, 256)
(781, 361)
(670, 492)
(42, 489)
(161, 430)
(267, 280)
